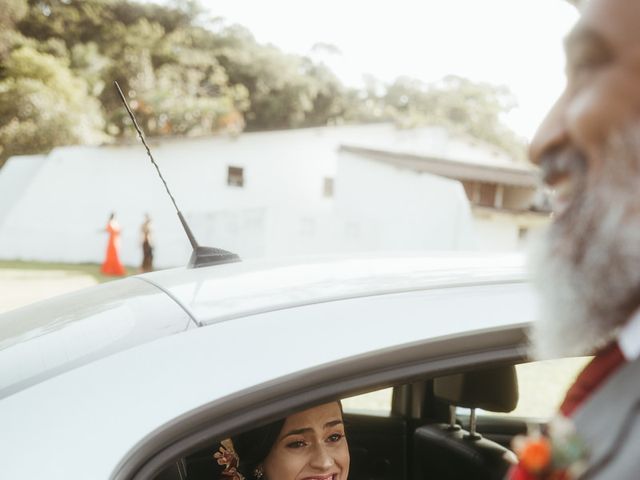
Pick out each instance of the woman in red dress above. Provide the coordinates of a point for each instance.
(112, 265)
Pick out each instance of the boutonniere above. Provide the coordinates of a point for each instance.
(557, 453)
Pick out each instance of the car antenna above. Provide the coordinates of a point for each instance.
(201, 256)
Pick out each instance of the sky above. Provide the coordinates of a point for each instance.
(516, 43)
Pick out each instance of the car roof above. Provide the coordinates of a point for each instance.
(224, 292)
(159, 389)
(51, 337)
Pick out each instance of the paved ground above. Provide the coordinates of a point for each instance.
(21, 287)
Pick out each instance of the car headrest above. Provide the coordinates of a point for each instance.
(494, 389)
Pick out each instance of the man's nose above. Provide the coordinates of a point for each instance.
(322, 458)
(552, 133)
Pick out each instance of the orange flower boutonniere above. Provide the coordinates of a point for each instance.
(557, 454)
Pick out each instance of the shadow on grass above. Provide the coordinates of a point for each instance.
(92, 269)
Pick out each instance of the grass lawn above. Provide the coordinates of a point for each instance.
(92, 269)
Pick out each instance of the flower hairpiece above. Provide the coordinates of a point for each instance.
(227, 457)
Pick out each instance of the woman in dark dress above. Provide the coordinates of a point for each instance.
(147, 245)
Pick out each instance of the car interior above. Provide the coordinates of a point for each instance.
(433, 431)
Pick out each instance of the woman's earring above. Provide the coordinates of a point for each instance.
(257, 472)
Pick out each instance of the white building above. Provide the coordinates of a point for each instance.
(505, 198)
(264, 194)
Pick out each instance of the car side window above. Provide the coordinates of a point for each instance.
(372, 403)
(542, 386)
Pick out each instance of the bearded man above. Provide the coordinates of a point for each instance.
(588, 269)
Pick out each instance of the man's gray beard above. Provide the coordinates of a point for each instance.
(586, 265)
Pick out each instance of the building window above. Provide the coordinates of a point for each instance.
(471, 189)
(522, 233)
(487, 194)
(327, 188)
(235, 176)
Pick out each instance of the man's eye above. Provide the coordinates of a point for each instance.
(585, 60)
(296, 444)
(584, 66)
(336, 437)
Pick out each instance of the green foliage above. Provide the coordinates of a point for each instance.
(43, 104)
(74, 21)
(11, 11)
(185, 75)
(474, 109)
(284, 91)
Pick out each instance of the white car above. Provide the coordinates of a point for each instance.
(140, 378)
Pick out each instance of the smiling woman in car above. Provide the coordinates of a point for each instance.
(309, 445)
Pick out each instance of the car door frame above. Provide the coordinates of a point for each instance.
(266, 402)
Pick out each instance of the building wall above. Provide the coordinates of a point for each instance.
(282, 209)
(62, 216)
(520, 198)
(382, 207)
(504, 230)
(496, 235)
(15, 179)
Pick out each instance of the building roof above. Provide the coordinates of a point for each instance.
(512, 173)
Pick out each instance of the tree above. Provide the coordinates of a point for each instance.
(175, 87)
(184, 76)
(149, 49)
(42, 104)
(471, 108)
(285, 91)
(11, 11)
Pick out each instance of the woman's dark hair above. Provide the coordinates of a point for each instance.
(254, 445)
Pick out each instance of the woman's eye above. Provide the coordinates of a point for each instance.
(336, 437)
(296, 444)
